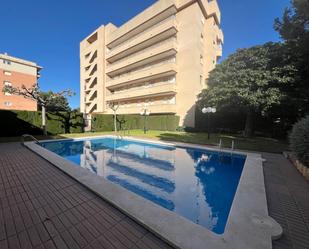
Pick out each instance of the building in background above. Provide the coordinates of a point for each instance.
(158, 61)
(17, 72)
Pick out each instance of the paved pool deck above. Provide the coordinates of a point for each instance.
(288, 201)
(41, 207)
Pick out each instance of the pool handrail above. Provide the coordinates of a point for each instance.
(28, 135)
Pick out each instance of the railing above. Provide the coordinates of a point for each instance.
(112, 65)
(145, 67)
(144, 86)
(173, 17)
(28, 135)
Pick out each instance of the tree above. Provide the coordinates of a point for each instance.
(35, 93)
(294, 30)
(56, 103)
(114, 107)
(250, 79)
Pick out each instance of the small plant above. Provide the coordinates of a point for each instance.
(299, 140)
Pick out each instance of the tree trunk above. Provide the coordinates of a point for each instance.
(249, 127)
(44, 120)
(115, 122)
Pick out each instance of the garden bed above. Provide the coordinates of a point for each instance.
(304, 170)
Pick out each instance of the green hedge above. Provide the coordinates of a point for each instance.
(299, 140)
(16, 123)
(105, 122)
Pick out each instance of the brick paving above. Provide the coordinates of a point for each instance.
(41, 207)
(288, 201)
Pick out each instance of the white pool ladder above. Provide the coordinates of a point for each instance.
(232, 147)
(220, 145)
(28, 135)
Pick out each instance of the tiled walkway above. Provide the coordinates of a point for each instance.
(41, 207)
(288, 201)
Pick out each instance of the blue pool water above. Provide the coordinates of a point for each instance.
(195, 183)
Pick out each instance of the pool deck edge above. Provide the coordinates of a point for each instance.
(248, 225)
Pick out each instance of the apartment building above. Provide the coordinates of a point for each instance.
(17, 72)
(158, 61)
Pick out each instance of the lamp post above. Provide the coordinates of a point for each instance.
(208, 110)
(145, 113)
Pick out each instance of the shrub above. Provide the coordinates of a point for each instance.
(16, 123)
(105, 122)
(102, 122)
(299, 140)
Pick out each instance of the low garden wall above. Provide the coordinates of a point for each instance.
(16, 123)
(304, 170)
(105, 122)
(299, 144)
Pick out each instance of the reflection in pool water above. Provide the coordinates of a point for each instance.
(195, 183)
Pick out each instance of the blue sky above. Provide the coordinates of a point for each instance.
(49, 32)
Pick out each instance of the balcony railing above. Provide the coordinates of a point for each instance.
(173, 17)
(115, 65)
(145, 67)
(135, 93)
(145, 75)
(139, 42)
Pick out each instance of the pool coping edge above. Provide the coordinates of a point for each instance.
(248, 223)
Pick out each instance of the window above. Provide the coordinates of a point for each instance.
(7, 73)
(201, 59)
(202, 37)
(8, 103)
(201, 79)
(6, 62)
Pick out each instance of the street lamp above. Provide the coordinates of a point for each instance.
(145, 113)
(208, 110)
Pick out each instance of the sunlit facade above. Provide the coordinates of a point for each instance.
(158, 61)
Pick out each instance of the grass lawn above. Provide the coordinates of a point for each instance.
(253, 144)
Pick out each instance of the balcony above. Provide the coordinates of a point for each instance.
(91, 96)
(91, 82)
(141, 92)
(212, 9)
(90, 48)
(167, 108)
(220, 36)
(157, 52)
(151, 36)
(219, 51)
(151, 73)
(148, 18)
(91, 107)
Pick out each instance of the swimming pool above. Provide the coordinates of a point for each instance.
(195, 183)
